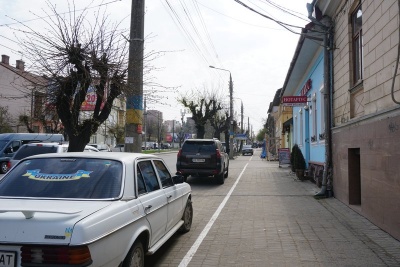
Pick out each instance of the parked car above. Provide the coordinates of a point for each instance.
(165, 146)
(42, 148)
(11, 142)
(90, 209)
(118, 148)
(203, 157)
(101, 147)
(146, 145)
(247, 149)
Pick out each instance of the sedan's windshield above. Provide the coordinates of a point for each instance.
(64, 178)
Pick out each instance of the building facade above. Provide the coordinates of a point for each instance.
(366, 110)
(349, 74)
(304, 87)
(20, 95)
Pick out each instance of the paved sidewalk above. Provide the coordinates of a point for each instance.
(271, 219)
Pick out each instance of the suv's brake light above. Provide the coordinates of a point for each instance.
(218, 154)
(179, 152)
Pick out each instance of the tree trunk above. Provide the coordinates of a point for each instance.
(217, 134)
(200, 131)
(78, 142)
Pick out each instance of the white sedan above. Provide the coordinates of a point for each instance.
(90, 209)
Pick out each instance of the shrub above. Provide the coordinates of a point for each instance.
(297, 160)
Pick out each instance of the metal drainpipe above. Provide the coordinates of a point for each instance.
(328, 102)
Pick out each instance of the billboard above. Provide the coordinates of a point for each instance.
(90, 100)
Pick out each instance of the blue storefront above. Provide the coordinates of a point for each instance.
(306, 78)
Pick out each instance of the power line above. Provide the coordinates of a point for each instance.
(284, 25)
(67, 12)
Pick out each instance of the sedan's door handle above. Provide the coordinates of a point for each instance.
(146, 209)
(169, 196)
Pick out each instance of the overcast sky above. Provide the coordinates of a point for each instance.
(196, 33)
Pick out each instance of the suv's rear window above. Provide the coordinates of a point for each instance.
(26, 151)
(64, 178)
(198, 146)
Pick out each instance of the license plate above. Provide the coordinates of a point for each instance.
(8, 258)
(199, 160)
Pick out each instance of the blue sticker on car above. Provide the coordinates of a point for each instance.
(37, 175)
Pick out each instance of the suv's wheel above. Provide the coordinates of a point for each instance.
(185, 178)
(187, 217)
(226, 173)
(220, 178)
(135, 256)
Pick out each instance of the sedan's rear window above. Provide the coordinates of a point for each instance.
(74, 178)
(196, 147)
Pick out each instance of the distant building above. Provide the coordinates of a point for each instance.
(23, 94)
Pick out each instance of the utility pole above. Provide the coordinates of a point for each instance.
(144, 124)
(241, 124)
(231, 116)
(173, 133)
(230, 111)
(134, 101)
(183, 112)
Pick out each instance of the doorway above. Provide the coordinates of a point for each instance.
(354, 176)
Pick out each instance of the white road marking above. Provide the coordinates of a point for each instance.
(189, 255)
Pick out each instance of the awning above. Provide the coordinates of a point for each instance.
(288, 123)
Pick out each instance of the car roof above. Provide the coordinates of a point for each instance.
(200, 140)
(42, 144)
(120, 156)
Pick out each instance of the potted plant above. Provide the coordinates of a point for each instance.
(298, 162)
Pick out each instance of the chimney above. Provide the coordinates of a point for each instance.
(5, 59)
(20, 65)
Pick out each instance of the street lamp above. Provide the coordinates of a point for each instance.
(230, 111)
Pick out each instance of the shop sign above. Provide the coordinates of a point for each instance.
(294, 100)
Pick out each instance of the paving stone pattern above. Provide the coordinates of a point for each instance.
(271, 219)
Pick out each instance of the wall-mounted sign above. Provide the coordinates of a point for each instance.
(307, 87)
(294, 100)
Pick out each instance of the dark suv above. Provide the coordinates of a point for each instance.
(203, 157)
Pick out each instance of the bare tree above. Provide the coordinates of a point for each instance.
(81, 58)
(76, 57)
(203, 107)
(118, 132)
(220, 123)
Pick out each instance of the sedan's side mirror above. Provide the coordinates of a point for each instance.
(178, 178)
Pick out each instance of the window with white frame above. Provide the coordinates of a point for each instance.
(322, 111)
(301, 127)
(313, 111)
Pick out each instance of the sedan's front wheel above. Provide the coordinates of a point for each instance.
(187, 217)
(135, 257)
